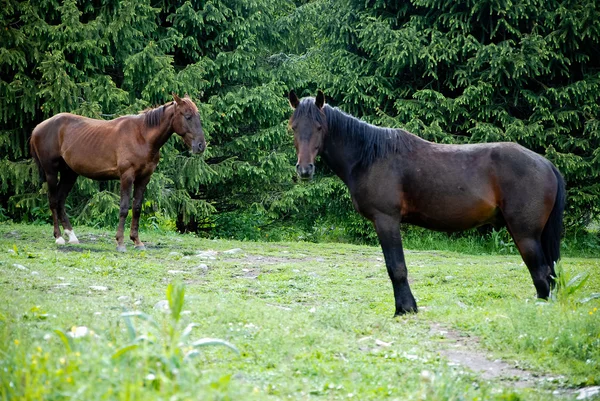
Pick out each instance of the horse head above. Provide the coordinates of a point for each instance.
(309, 124)
(187, 124)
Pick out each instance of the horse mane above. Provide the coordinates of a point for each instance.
(373, 142)
(153, 116)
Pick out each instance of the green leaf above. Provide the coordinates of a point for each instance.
(593, 296)
(122, 351)
(214, 341)
(65, 339)
(176, 298)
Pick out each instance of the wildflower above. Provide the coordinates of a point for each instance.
(78, 331)
(17, 342)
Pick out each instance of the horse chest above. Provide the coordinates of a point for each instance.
(373, 197)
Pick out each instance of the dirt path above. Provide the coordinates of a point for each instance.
(465, 351)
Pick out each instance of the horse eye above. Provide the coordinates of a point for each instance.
(319, 128)
(188, 117)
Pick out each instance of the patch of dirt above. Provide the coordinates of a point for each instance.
(75, 248)
(247, 273)
(273, 260)
(151, 245)
(12, 234)
(465, 351)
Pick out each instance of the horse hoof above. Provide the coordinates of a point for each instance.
(121, 248)
(140, 247)
(406, 311)
(60, 241)
(72, 237)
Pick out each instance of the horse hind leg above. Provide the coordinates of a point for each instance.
(526, 212)
(532, 253)
(67, 180)
(126, 183)
(52, 181)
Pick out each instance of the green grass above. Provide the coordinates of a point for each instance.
(305, 318)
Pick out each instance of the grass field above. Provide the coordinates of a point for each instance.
(307, 321)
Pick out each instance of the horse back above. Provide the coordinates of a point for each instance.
(453, 187)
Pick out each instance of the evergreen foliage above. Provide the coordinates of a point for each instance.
(113, 58)
(525, 71)
(454, 72)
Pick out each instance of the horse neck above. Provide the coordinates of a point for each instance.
(337, 153)
(352, 145)
(158, 135)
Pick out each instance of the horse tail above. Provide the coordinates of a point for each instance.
(36, 159)
(554, 226)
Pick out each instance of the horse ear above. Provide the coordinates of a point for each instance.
(176, 98)
(294, 102)
(320, 101)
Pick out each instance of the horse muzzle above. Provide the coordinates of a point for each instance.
(198, 147)
(305, 172)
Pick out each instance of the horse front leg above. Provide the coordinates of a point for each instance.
(53, 201)
(126, 183)
(388, 231)
(139, 187)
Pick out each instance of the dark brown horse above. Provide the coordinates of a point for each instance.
(395, 176)
(126, 149)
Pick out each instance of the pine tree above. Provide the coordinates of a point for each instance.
(524, 71)
(119, 57)
(450, 72)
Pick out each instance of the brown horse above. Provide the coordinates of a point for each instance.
(395, 176)
(126, 149)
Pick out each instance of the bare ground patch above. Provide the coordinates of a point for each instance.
(464, 350)
(75, 248)
(274, 260)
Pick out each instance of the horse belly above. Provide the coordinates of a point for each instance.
(451, 212)
(99, 164)
(96, 166)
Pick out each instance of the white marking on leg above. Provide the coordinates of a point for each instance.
(72, 238)
(60, 241)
